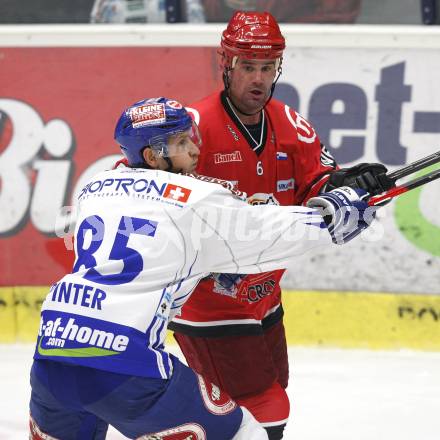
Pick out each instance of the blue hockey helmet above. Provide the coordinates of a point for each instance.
(150, 123)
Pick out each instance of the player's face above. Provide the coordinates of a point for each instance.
(250, 83)
(184, 151)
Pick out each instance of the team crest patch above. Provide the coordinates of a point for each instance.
(148, 114)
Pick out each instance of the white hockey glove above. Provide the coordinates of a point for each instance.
(345, 211)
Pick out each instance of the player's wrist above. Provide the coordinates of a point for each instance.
(345, 211)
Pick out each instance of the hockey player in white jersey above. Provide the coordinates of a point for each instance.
(146, 234)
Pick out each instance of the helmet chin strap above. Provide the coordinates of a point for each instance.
(228, 85)
(170, 167)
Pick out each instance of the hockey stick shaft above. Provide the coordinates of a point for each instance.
(396, 191)
(415, 166)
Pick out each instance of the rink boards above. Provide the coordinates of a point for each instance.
(330, 319)
(372, 93)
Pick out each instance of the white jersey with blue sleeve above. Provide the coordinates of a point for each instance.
(143, 240)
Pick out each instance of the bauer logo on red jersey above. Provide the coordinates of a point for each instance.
(177, 193)
(148, 114)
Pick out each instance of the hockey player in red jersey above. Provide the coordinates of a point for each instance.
(231, 329)
(146, 234)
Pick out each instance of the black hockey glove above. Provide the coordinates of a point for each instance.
(370, 177)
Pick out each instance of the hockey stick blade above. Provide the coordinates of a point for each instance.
(401, 189)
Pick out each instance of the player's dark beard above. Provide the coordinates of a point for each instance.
(241, 110)
(228, 86)
(259, 110)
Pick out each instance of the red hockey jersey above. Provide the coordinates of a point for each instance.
(292, 165)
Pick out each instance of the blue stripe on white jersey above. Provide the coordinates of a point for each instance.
(179, 300)
(155, 343)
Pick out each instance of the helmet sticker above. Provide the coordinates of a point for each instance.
(150, 122)
(174, 104)
(149, 114)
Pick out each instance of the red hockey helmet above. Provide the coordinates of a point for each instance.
(254, 35)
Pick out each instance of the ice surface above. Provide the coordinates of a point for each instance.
(335, 394)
